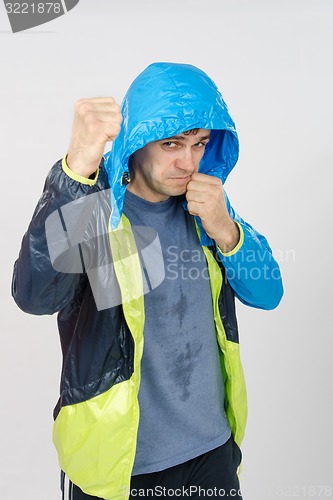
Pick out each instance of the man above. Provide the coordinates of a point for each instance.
(153, 399)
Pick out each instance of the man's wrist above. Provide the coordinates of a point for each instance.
(74, 163)
(229, 238)
(91, 180)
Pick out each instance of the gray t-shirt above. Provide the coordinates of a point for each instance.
(181, 395)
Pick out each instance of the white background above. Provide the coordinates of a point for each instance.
(272, 60)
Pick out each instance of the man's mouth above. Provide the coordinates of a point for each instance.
(184, 178)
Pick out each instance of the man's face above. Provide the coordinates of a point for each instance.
(163, 168)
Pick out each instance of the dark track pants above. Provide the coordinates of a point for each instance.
(212, 475)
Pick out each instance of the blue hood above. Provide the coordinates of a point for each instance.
(164, 100)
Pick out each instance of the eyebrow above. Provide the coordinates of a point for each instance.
(181, 137)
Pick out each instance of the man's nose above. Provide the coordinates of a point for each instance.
(186, 162)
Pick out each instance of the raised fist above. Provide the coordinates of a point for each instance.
(96, 121)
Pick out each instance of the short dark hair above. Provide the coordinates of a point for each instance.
(193, 131)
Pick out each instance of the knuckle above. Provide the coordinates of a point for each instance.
(82, 106)
(79, 102)
(116, 113)
(113, 130)
(117, 119)
(117, 128)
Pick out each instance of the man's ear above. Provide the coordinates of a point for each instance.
(131, 166)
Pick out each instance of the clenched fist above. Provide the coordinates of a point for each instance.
(96, 121)
(205, 198)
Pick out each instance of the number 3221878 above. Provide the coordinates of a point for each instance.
(33, 8)
(310, 491)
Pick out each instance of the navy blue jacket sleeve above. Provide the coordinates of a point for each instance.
(37, 287)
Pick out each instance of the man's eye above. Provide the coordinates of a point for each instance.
(169, 144)
(200, 144)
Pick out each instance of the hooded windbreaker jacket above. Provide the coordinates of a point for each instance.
(65, 266)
